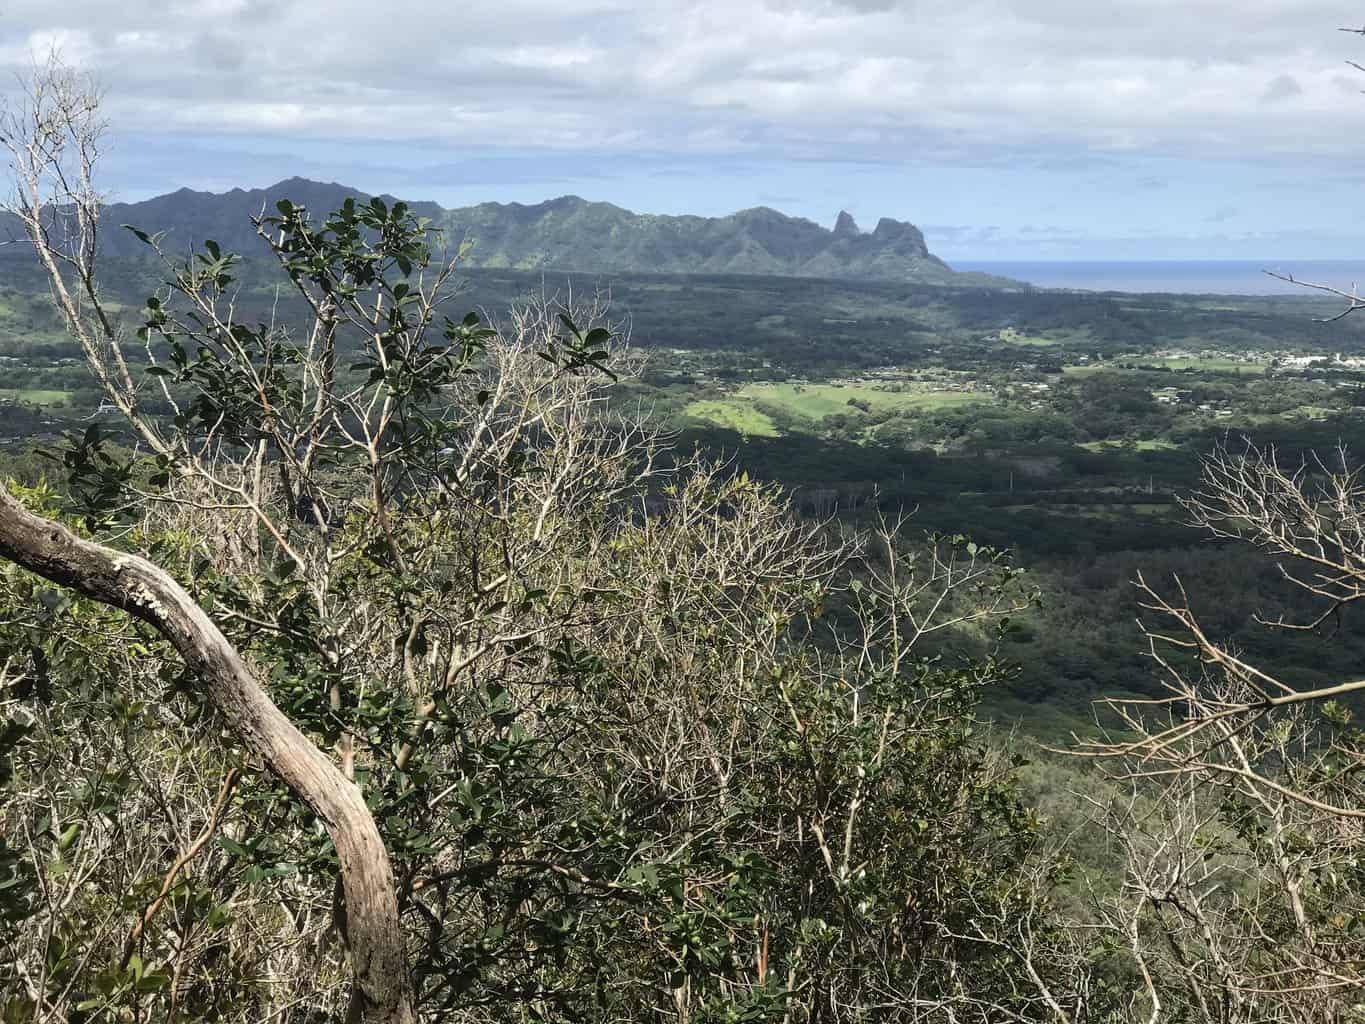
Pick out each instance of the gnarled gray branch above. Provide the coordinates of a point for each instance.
(381, 987)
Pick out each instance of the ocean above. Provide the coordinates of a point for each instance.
(1191, 277)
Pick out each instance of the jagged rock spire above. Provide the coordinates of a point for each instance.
(845, 226)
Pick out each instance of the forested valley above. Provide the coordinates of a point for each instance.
(384, 638)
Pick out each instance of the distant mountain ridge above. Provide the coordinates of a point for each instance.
(570, 233)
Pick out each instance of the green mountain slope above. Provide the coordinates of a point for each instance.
(570, 233)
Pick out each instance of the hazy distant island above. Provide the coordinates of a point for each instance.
(570, 233)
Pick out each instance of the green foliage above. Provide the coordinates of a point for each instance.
(638, 745)
(97, 478)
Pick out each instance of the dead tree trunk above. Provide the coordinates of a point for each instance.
(381, 986)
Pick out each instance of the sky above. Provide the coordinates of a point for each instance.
(1005, 129)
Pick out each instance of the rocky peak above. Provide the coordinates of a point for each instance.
(845, 226)
(900, 234)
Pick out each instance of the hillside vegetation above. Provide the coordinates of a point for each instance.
(568, 233)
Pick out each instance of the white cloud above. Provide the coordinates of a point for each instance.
(871, 78)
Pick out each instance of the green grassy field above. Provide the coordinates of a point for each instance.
(1316, 412)
(1012, 337)
(744, 413)
(35, 396)
(732, 414)
(816, 401)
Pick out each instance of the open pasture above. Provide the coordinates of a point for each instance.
(817, 401)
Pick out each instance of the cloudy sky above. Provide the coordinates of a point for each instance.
(1007, 129)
